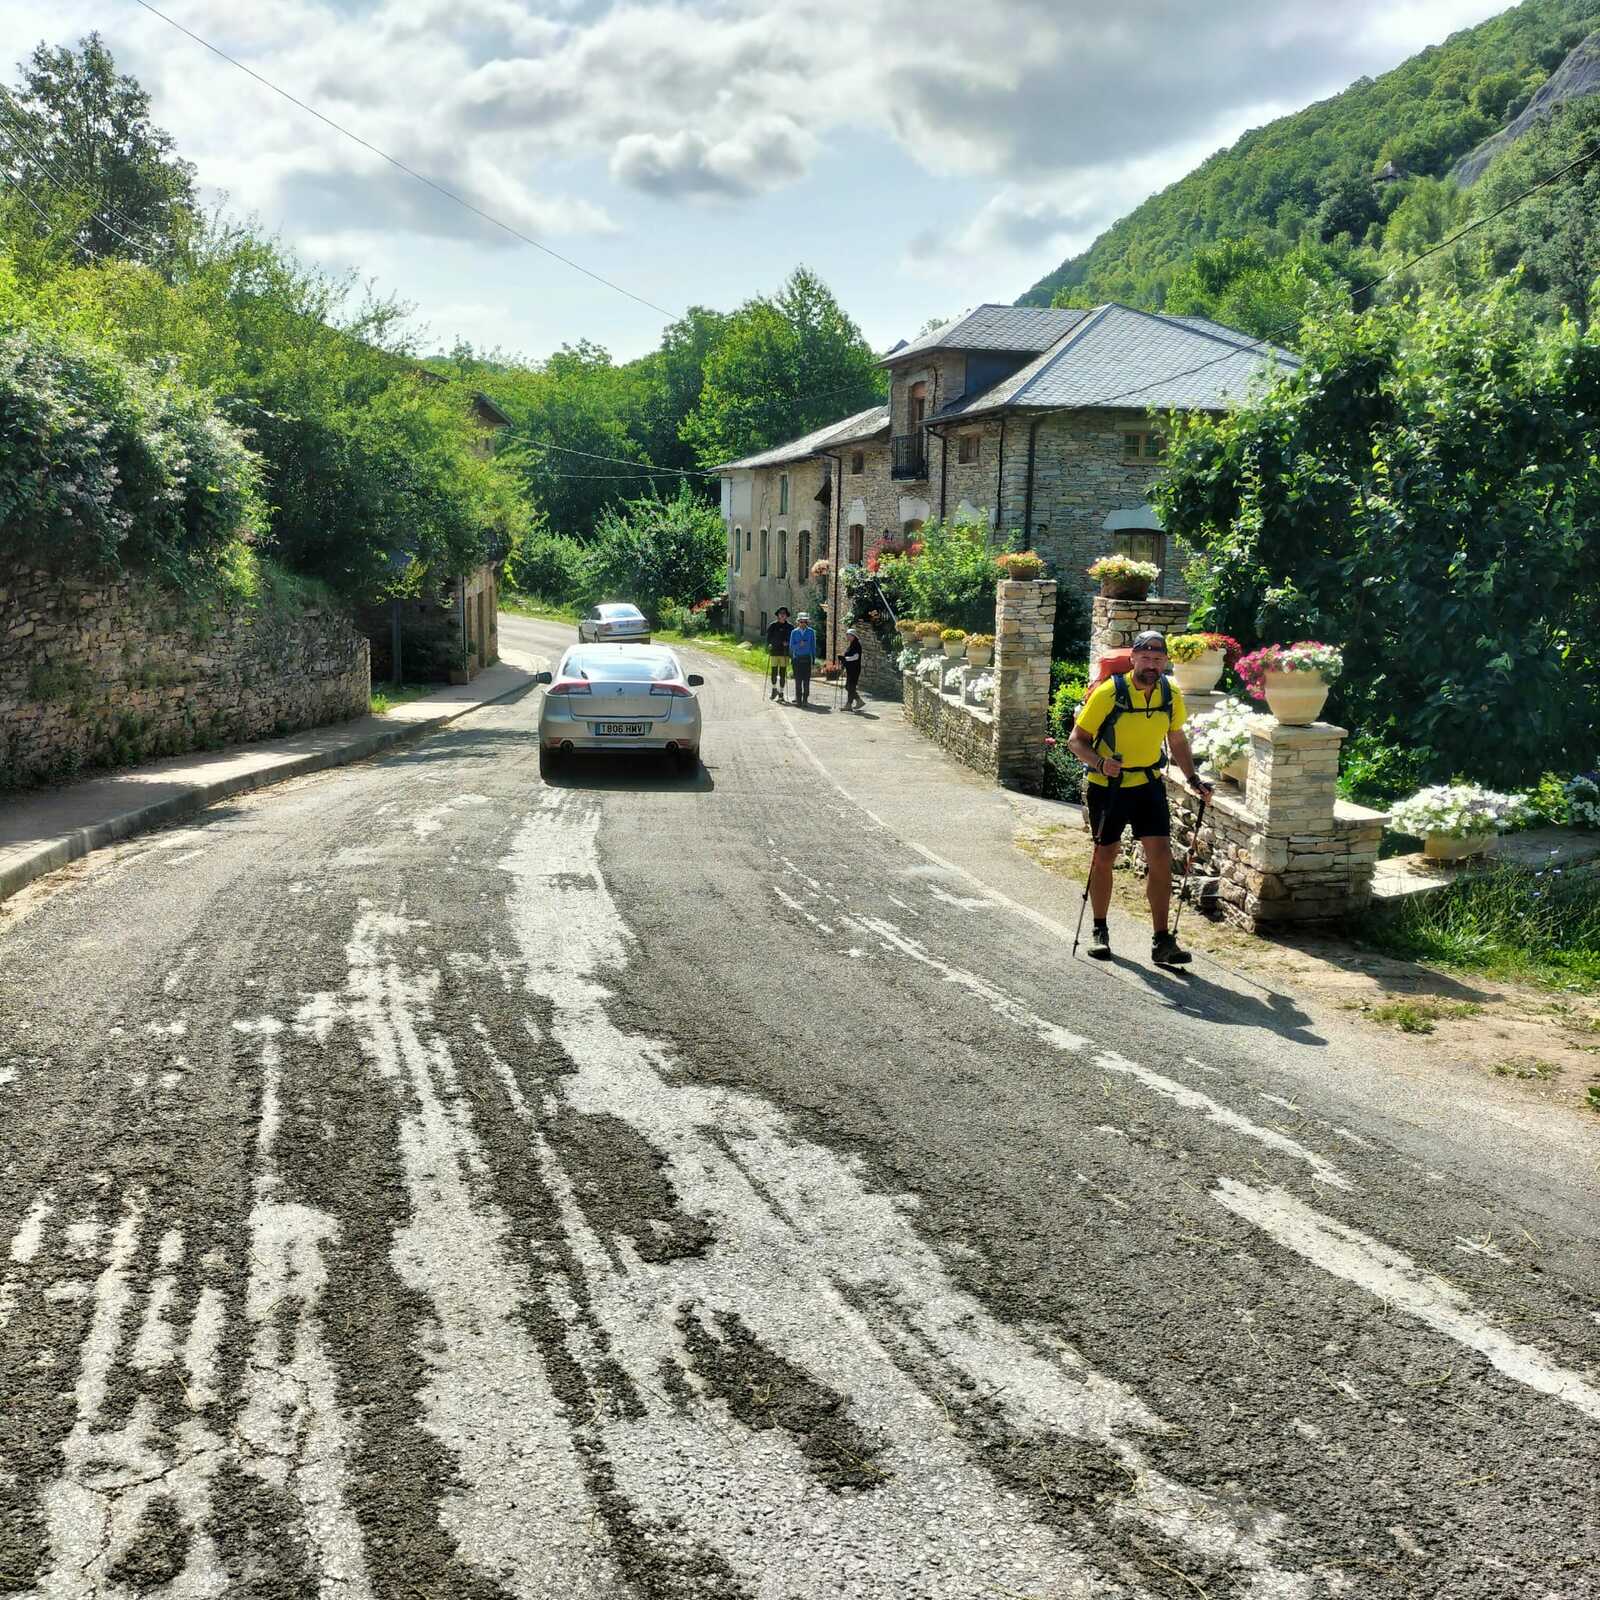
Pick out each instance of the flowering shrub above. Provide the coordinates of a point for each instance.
(1308, 655)
(953, 680)
(1221, 737)
(1583, 799)
(1457, 810)
(1191, 646)
(1021, 564)
(952, 635)
(1123, 569)
(907, 660)
(981, 689)
(909, 548)
(822, 570)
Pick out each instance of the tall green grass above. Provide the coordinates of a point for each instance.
(1532, 925)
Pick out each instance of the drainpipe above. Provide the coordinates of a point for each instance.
(1027, 515)
(944, 464)
(1000, 475)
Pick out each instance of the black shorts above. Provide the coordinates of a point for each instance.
(1143, 808)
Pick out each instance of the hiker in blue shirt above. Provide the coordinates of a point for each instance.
(802, 653)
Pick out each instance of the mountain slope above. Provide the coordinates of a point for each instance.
(1314, 168)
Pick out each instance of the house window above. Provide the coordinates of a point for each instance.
(783, 552)
(783, 492)
(858, 542)
(763, 552)
(738, 549)
(747, 538)
(917, 404)
(1142, 446)
(1143, 545)
(858, 463)
(805, 553)
(967, 449)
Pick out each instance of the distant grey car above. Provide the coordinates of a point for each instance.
(614, 624)
(619, 697)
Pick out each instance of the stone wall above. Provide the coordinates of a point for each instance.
(785, 582)
(1287, 850)
(1005, 740)
(111, 673)
(1114, 623)
(880, 677)
(966, 731)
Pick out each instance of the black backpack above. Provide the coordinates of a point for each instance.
(1122, 700)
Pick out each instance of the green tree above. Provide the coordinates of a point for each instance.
(1241, 284)
(1422, 492)
(78, 143)
(652, 549)
(782, 367)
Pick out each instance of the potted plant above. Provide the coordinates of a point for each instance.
(1583, 800)
(1020, 565)
(1293, 679)
(980, 649)
(954, 641)
(1456, 820)
(1196, 662)
(928, 636)
(1221, 739)
(907, 627)
(1123, 578)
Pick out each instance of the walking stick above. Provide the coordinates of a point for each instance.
(1188, 860)
(1112, 785)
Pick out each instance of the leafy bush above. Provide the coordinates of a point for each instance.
(106, 467)
(952, 580)
(1373, 770)
(546, 564)
(1063, 773)
(653, 549)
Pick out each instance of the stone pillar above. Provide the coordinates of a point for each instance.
(1113, 623)
(1024, 623)
(1294, 773)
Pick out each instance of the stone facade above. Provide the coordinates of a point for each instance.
(880, 677)
(110, 673)
(797, 535)
(1113, 624)
(1287, 850)
(435, 631)
(1007, 741)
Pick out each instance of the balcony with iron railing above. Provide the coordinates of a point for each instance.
(910, 455)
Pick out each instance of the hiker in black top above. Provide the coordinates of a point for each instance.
(850, 660)
(778, 652)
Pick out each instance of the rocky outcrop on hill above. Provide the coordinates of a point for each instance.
(1576, 77)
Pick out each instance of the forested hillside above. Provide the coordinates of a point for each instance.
(1301, 190)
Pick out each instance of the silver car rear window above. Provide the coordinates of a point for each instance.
(618, 666)
(622, 613)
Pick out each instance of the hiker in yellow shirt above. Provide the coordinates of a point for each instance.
(1119, 736)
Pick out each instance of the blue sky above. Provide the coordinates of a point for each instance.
(922, 157)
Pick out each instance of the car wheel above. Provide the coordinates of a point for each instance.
(688, 761)
(549, 762)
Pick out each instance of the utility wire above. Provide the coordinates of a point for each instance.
(27, 200)
(410, 172)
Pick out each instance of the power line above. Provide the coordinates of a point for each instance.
(410, 172)
(27, 200)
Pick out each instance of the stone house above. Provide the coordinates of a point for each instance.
(1033, 419)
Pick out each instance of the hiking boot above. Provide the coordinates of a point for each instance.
(1165, 951)
(1100, 942)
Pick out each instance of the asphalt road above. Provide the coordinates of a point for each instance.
(422, 1180)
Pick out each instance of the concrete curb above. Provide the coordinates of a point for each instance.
(73, 846)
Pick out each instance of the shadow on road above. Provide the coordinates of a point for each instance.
(1183, 989)
(641, 773)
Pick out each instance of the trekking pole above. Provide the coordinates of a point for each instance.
(1188, 860)
(1112, 785)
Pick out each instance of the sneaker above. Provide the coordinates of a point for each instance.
(1100, 942)
(1165, 951)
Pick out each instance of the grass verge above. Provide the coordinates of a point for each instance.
(741, 652)
(536, 607)
(386, 699)
(1525, 925)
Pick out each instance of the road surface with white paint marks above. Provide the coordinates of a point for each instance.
(426, 1180)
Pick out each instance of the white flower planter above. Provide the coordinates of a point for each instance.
(1237, 771)
(1442, 847)
(1296, 698)
(980, 655)
(955, 649)
(1199, 676)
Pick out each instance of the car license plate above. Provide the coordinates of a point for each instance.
(626, 729)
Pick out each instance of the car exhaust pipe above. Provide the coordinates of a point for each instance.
(566, 747)
(672, 747)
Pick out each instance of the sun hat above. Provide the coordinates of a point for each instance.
(850, 628)
(805, 616)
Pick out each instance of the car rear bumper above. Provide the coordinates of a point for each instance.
(594, 743)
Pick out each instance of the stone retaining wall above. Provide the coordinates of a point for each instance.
(112, 673)
(967, 732)
(880, 677)
(1114, 624)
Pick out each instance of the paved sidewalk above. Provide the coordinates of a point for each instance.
(45, 829)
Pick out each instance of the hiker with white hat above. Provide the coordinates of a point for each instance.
(802, 655)
(850, 660)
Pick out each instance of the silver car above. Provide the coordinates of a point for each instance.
(613, 624)
(619, 697)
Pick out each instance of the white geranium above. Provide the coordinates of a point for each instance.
(1456, 810)
(953, 680)
(981, 689)
(1583, 800)
(930, 668)
(1222, 736)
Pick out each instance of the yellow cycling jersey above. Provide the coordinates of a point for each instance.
(1140, 731)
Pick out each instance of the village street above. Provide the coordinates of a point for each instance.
(419, 1179)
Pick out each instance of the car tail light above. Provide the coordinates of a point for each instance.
(602, 627)
(570, 686)
(681, 691)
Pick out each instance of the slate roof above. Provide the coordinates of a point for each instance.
(863, 425)
(1117, 357)
(990, 327)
